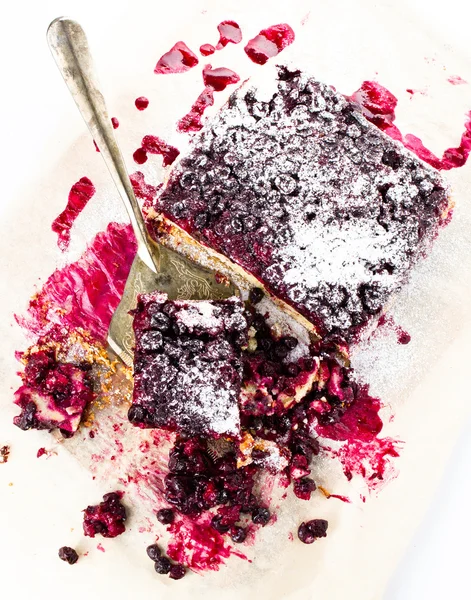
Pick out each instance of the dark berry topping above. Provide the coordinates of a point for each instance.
(255, 295)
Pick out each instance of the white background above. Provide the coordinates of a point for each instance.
(33, 104)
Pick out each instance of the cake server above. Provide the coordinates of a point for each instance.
(155, 266)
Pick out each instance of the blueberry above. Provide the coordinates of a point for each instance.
(153, 552)
(259, 455)
(281, 351)
(304, 487)
(391, 159)
(265, 344)
(236, 225)
(201, 220)
(218, 525)
(165, 516)
(69, 555)
(290, 342)
(162, 565)
(179, 328)
(255, 295)
(151, 341)
(292, 369)
(312, 530)
(188, 180)
(216, 204)
(238, 534)
(137, 414)
(160, 321)
(177, 572)
(268, 369)
(261, 516)
(28, 417)
(285, 183)
(223, 497)
(250, 223)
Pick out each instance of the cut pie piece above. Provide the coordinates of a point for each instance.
(295, 189)
(187, 365)
(54, 394)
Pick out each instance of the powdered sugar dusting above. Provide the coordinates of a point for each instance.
(187, 364)
(303, 192)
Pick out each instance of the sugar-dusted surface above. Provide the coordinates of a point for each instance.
(187, 366)
(301, 191)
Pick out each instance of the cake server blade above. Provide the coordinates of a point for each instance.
(155, 266)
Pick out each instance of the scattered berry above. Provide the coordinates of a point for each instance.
(255, 295)
(177, 571)
(68, 555)
(261, 516)
(153, 552)
(166, 516)
(162, 565)
(238, 534)
(310, 531)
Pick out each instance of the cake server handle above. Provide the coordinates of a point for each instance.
(69, 46)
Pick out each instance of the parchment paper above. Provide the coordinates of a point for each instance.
(423, 384)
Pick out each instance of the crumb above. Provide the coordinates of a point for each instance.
(4, 454)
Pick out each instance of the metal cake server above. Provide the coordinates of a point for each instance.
(155, 266)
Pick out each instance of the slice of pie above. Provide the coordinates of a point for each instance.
(187, 365)
(294, 190)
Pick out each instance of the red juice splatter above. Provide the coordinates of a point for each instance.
(177, 60)
(342, 498)
(141, 103)
(360, 421)
(363, 453)
(452, 157)
(143, 190)
(219, 78)
(91, 434)
(192, 120)
(96, 146)
(85, 293)
(199, 546)
(154, 145)
(370, 460)
(229, 32)
(140, 156)
(100, 548)
(305, 19)
(456, 80)
(269, 42)
(41, 452)
(114, 122)
(402, 336)
(207, 49)
(79, 195)
(378, 105)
